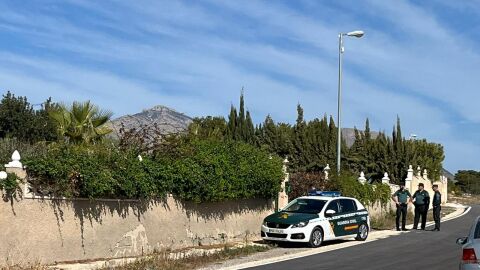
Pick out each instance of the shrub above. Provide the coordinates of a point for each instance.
(10, 187)
(300, 182)
(200, 170)
(212, 170)
(9, 145)
(100, 171)
(367, 194)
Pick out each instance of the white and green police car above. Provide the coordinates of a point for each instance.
(321, 216)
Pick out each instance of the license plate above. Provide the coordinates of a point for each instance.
(275, 231)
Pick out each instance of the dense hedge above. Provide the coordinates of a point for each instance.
(367, 194)
(201, 170)
(348, 185)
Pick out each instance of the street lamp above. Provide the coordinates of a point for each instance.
(357, 34)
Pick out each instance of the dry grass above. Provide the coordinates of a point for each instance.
(33, 266)
(464, 199)
(387, 222)
(162, 260)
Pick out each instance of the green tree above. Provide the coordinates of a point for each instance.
(232, 123)
(208, 127)
(241, 126)
(300, 159)
(468, 181)
(18, 119)
(249, 129)
(83, 122)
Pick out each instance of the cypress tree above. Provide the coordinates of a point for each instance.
(232, 123)
(270, 133)
(367, 133)
(250, 129)
(300, 158)
(332, 141)
(242, 129)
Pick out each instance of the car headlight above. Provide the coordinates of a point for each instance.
(300, 224)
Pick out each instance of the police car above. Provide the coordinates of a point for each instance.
(321, 216)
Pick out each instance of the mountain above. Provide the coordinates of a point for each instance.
(448, 174)
(348, 134)
(167, 120)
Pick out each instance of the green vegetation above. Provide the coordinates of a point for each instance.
(367, 194)
(311, 145)
(199, 170)
(347, 184)
(18, 119)
(216, 159)
(468, 181)
(82, 122)
(10, 187)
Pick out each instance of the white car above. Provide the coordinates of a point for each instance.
(471, 247)
(319, 217)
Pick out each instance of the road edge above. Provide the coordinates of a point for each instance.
(302, 254)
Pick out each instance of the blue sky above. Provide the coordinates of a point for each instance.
(418, 60)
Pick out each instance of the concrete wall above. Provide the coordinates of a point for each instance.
(67, 230)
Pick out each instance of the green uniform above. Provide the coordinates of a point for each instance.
(421, 197)
(402, 195)
(422, 201)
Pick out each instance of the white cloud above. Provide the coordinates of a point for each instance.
(197, 57)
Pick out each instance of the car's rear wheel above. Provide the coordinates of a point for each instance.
(362, 233)
(316, 238)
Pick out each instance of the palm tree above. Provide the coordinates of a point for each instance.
(82, 122)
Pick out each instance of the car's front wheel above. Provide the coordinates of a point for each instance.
(362, 233)
(316, 238)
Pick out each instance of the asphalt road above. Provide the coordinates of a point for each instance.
(412, 250)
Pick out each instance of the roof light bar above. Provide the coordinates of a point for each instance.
(325, 193)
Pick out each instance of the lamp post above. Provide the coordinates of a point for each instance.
(357, 34)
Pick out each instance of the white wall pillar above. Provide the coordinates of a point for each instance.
(408, 180)
(326, 171)
(385, 179)
(362, 178)
(16, 167)
(425, 174)
(282, 195)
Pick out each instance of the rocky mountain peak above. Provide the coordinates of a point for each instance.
(167, 120)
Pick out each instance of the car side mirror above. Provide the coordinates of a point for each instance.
(330, 213)
(462, 240)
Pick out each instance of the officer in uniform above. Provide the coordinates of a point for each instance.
(437, 200)
(401, 198)
(421, 200)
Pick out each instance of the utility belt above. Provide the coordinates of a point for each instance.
(416, 204)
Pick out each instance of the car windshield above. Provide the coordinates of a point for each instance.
(309, 206)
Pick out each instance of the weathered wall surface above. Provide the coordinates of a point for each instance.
(66, 230)
(378, 210)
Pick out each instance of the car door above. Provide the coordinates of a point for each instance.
(348, 221)
(335, 230)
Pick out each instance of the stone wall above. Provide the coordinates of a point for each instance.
(66, 230)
